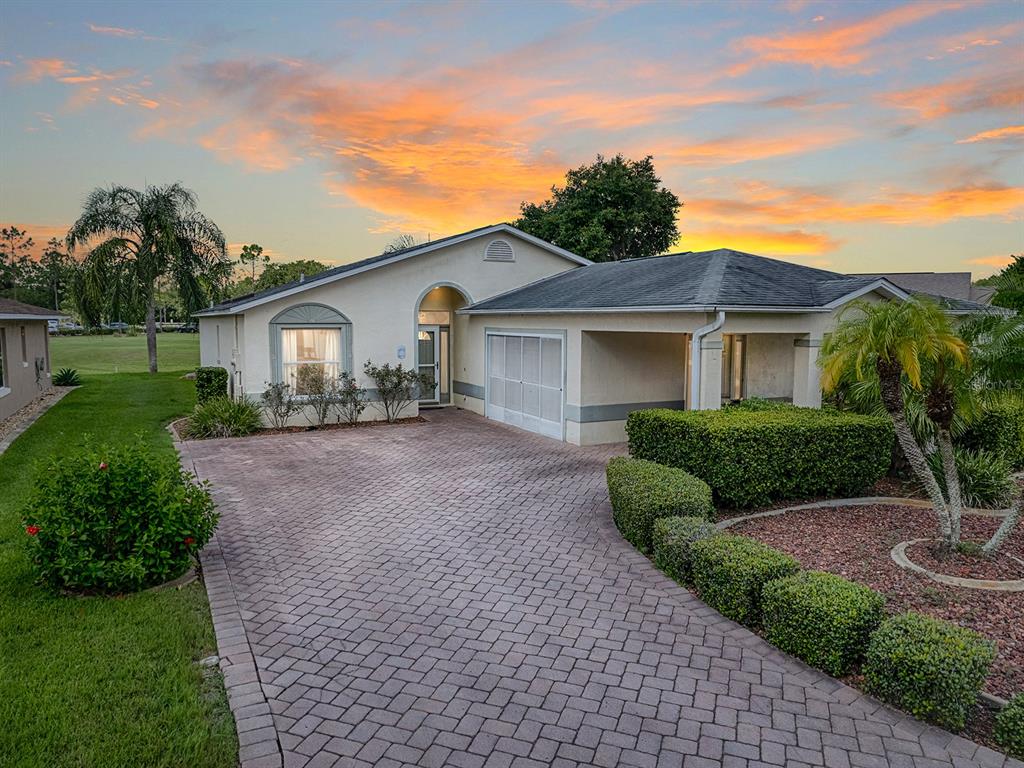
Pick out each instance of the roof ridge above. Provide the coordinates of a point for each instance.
(714, 274)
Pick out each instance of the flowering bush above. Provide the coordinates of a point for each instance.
(115, 520)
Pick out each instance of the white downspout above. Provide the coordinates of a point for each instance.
(700, 333)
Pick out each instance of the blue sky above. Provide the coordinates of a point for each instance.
(855, 136)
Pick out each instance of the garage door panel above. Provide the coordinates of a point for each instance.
(524, 381)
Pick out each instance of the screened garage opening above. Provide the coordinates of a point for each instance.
(525, 381)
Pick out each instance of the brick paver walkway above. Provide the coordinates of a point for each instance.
(453, 593)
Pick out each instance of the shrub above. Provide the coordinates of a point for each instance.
(754, 457)
(642, 491)
(821, 618)
(320, 392)
(930, 668)
(67, 377)
(224, 417)
(211, 383)
(1009, 731)
(351, 399)
(115, 519)
(985, 479)
(673, 537)
(730, 573)
(279, 403)
(397, 387)
(1000, 430)
(761, 404)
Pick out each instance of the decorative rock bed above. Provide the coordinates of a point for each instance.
(899, 556)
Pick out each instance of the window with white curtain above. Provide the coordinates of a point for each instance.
(304, 348)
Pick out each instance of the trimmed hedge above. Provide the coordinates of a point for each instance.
(1009, 731)
(211, 382)
(673, 538)
(1000, 430)
(754, 457)
(730, 573)
(642, 491)
(929, 668)
(821, 618)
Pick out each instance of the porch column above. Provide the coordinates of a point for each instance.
(806, 375)
(710, 372)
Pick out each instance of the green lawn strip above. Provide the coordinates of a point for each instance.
(123, 354)
(103, 681)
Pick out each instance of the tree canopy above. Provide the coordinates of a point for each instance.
(610, 210)
(1009, 285)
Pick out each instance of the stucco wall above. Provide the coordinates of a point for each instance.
(382, 304)
(770, 365)
(20, 384)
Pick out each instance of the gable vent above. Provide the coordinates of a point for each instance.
(499, 250)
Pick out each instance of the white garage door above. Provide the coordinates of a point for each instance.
(524, 381)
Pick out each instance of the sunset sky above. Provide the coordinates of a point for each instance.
(853, 136)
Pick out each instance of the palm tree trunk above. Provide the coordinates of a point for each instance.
(889, 376)
(151, 332)
(956, 505)
(1008, 524)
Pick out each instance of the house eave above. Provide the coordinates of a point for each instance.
(653, 308)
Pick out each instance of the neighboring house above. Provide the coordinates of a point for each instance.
(950, 285)
(24, 353)
(531, 335)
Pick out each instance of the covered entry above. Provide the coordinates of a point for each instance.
(526, 380)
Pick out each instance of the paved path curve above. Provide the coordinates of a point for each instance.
(453, 593)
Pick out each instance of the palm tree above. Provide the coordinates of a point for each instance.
(900, 340)
(145, 236)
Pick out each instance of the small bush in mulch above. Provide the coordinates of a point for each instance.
(224, 417)
(821, 618)
(730, 573)
(673, 538)
(115, 519)
(932, 669)
(1009, 730)
(642, 491)
(985, 479)
(66, 377)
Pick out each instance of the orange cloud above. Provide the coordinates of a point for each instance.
(769, 242)
(258, 149)
(996, 262)
(758, 202)
(996, 134)
(840, 46)
(606, 111)
(37, 69)
(115, 31)
(738, 149)
(999, 92)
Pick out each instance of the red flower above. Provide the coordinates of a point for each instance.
(189, 541)
(31, 530)
(103, 465)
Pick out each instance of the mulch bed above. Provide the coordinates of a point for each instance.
(931, 555)
(854, 542)
(177, 427)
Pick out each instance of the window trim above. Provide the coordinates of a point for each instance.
(308, 315)
(5, 386)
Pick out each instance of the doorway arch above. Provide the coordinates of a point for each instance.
(436, 334)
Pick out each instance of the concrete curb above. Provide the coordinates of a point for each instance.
(28, 422)
(258, 742)
(899, 556)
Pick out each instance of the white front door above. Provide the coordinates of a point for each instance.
(525, 381)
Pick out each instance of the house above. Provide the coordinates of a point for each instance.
(526, 333)
(952, 285)
(24, 354)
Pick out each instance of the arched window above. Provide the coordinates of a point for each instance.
(307, 338)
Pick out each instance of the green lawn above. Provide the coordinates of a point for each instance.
(94, 681)
(124, 354)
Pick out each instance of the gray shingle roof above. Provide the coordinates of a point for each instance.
(723, 277)
(21, 309)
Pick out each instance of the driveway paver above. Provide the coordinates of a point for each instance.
(454, 593)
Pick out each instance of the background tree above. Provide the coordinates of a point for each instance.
(15, 247)
(143, 236)
(287, 272)
(400, 243)
(54, 272)
(610, 210)
(1009, 285)
(251, 256)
